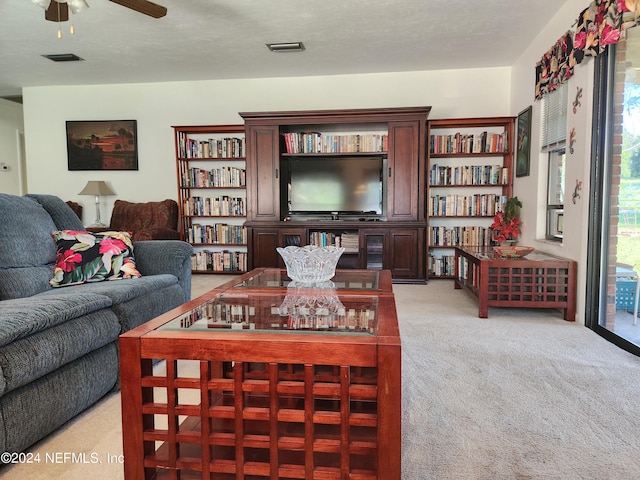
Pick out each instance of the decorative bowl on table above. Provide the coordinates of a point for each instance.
(310, 263)
(513, 251)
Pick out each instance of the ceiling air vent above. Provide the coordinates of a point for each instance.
(286, 47)
(63, 57)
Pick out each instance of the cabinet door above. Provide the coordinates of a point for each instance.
(373, 249)
(404, 184)
(405, 255)
(264, 242)
(263, 163)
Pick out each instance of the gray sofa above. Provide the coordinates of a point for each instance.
(58, 346)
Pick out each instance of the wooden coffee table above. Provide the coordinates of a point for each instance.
(290, 383)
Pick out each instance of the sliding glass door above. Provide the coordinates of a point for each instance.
(614, 233)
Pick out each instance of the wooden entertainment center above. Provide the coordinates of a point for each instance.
(393, 238)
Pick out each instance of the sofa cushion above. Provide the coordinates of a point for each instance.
(120, 291)
(28, 252)
(32, 357)
(92, 257)
(61, 213)
(22, 317)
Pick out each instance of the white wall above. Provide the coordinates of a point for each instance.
(157, 107)
(532, 189)
(10, 146)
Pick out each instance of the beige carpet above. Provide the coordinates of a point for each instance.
(520, 395)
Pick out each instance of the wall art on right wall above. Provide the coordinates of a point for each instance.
(523, 143)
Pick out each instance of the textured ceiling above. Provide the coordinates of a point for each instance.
(215, 39)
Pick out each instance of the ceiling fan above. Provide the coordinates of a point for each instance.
(58, 10)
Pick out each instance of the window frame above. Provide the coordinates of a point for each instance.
(554, 229)
(553, 133)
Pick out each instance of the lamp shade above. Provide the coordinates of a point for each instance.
(96, 187)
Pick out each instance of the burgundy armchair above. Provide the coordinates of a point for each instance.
(146, 221)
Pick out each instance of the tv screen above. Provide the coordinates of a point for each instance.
(344, 185)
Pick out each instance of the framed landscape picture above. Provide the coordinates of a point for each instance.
(102, 145)
(523, 143)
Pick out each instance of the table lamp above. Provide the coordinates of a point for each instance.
(97, 188)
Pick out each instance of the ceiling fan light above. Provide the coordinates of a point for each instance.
(77, 5)
(42, 3)
(74, 5)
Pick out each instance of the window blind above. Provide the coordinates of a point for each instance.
(554, 119)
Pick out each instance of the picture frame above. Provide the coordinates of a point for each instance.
(102, 145)
(523, 143)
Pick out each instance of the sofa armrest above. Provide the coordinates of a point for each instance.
(155, 257)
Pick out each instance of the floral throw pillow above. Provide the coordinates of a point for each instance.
(92, 257)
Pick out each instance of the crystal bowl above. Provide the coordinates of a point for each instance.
(310, 263)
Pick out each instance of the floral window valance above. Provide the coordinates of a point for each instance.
(555, 67)
(602, 23)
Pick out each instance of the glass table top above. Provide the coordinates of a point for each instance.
(343, 280)
(294, 310)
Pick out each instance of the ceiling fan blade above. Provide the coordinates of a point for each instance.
(143, 6)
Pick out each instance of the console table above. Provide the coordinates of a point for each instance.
(539, 280)
(290, 382)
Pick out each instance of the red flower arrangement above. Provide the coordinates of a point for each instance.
(506, 223)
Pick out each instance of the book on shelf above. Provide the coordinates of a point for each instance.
(459, 236)
(349, 241)
(222, 206)
(218, 177)
(217, 233)
(481, 205)
(219, 261)
(316, 142)
(227, 147)
(446, 175)
(441, 266)
(484, 142)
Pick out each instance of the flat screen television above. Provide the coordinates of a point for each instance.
(349, 185)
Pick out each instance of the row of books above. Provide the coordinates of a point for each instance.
(217, 233)
(333, 317)
(481, 205)
(316, 142)
(217, 177)
(443, 266)
(468, 175)
(484, 142)
(350, 241)
(290, 316)
(219, 261)
(220, 313)
(228, 147)
(222, 206)
(459, 236)
(216, 315)
(469, 272)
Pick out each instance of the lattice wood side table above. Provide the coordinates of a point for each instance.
(539, 280)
